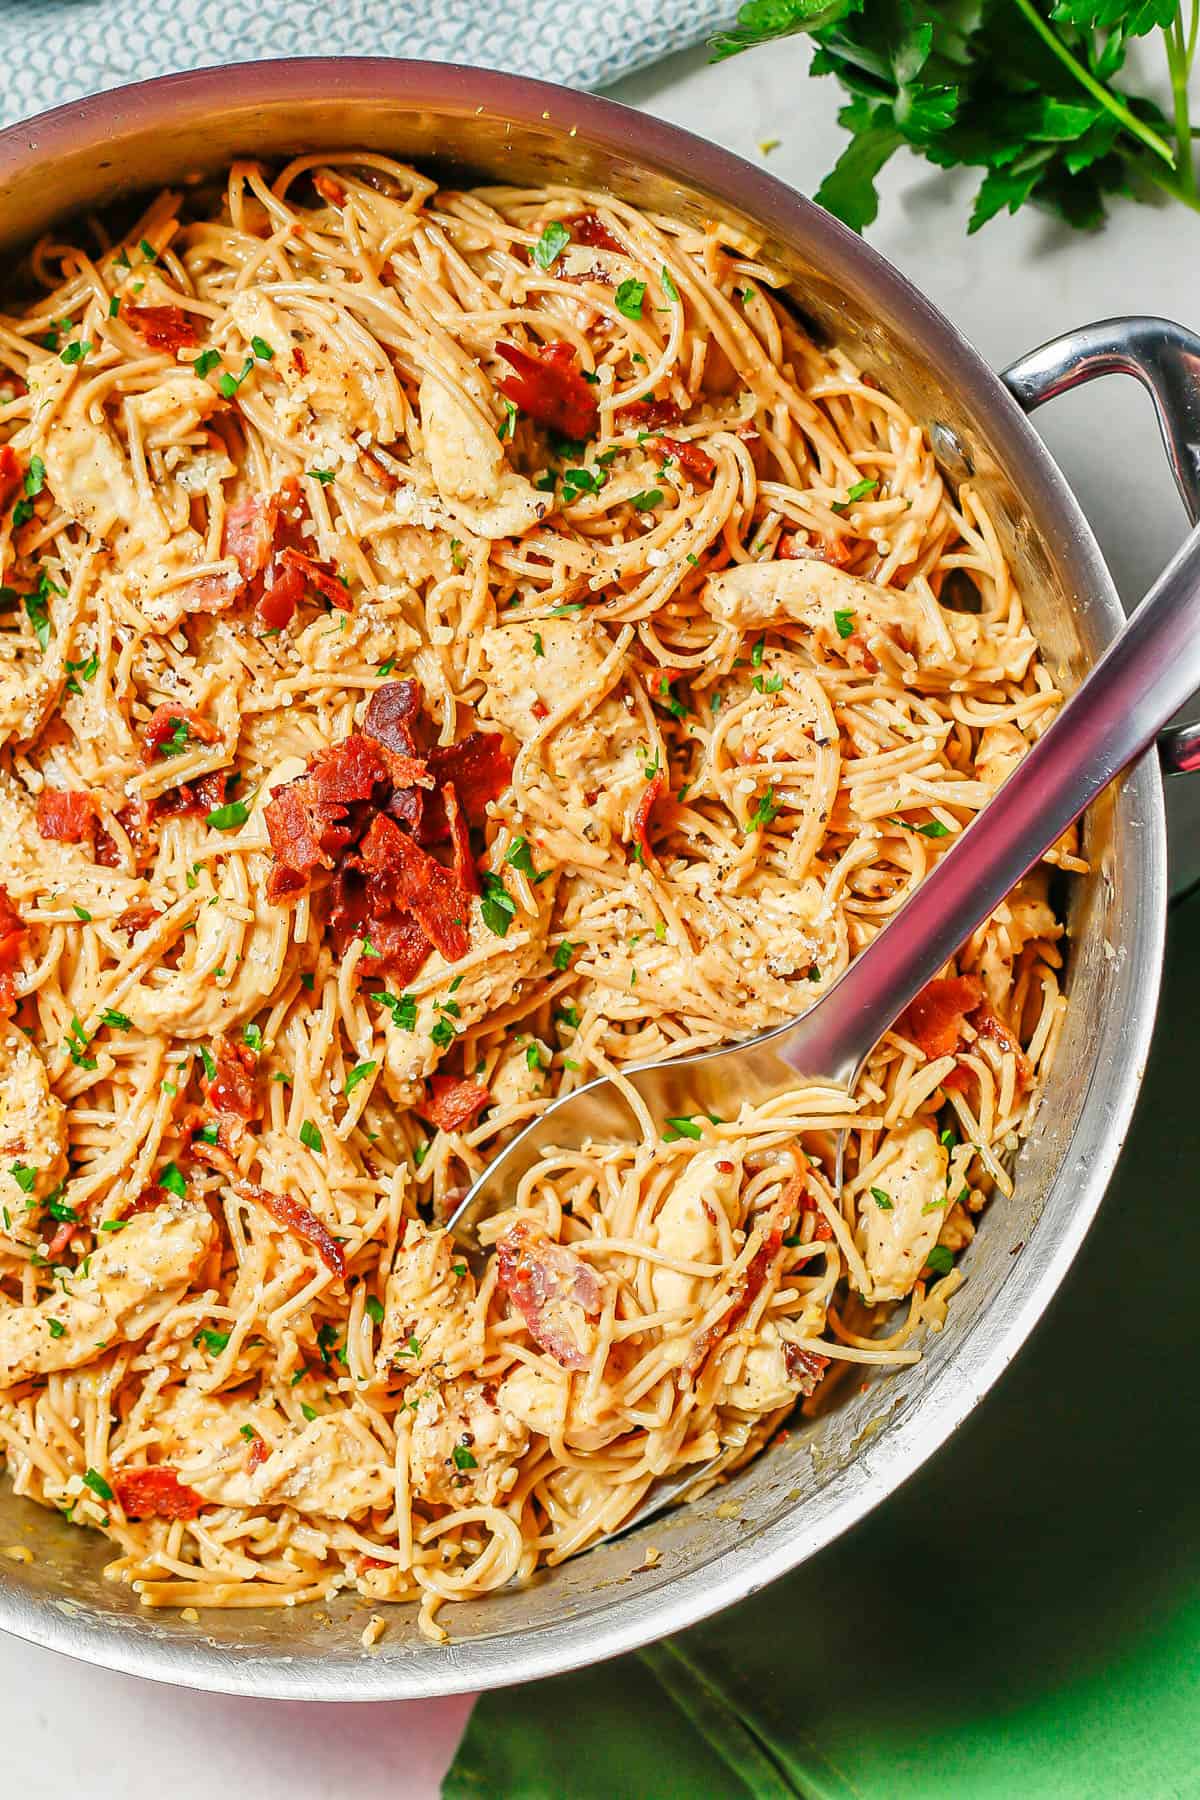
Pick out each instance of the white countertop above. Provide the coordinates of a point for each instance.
(71, 1730)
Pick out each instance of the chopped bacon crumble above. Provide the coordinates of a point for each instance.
(163, 327)
(547, 386)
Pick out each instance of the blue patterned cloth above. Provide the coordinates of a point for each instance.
(57, 50)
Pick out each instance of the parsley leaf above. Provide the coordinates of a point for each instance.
(310, 1137)
(358, 1073)
(845, 623)
(550, 245)
(499, 908)
(882, 1200)
(1024, 91)
(519, 856)
(630, 296)
(92, 1479)
(681, 1128)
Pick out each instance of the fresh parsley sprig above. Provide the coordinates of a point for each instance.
(1025, 90)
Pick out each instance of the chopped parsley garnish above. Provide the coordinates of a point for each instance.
(24, 1176)
(443, 1032)
(546, 482)
(630, 295)
(933, 828)
(859, 491)
(756, 652)
(252, 1037)
(308, 981)
(113, 1224)
(35, 477)
(310, 1137)
(148, 251)
(534, 1054)
(563, 955)
(765, 812)
(508, 423)
(310, 1412)
(569, 1015)
(767, 684)
(463, 1458)
(324, 476)
(358, 1073)
(550, 245)
(38, 613)
(77, 1042)
(230, 816)
(177, 742)
(538, 649)
(206, 362)
(173, 1180)
(882, 1199)
(374, 1309)
(114, 306)
(75, 353)
(57, 1328)
(81, 671)
(845, 624)
(581, 481)
(421, 1151)
(499, 907)
(209, 1061)
(81, 913)
(229, 384)
(248, 1432)
(647, 500)
(403, 1008)
(685, 1127)
(940, 1259)
(210, 1134)
(92, 1479)
(519, 856)
(262, 349)
(214, 1341)
(412, 1347)
(566, 612)
(668, 286)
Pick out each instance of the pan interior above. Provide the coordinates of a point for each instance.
(806, 1489)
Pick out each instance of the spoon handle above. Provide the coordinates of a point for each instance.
(1144, 676)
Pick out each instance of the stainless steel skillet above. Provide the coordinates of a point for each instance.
(466, 123)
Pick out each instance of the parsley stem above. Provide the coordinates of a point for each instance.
(1096, 89)
(1179, 58)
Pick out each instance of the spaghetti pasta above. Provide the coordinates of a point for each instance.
(458, 643)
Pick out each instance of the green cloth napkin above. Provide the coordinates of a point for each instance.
(1021, 1620)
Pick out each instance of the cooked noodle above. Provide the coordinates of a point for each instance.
(753, 680)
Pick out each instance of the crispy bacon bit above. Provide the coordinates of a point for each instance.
(137, 918)
(540, 710)
(12, 937)
(452, 1103)
(745, 1290)
(654, 790)
(590, 230)
(460, 839)
(804, 1367)
(934, 1021)
(793, 547)
(646, 415)
(692, 458)
(60, 1242)
(330, 190)
(234, 1087)
(147, 1200)
(257, 1454)
(295, 1217)
(553, 1289)
(417, 884)
(479, 769)
(321, 575)
(66, 815)
(362, 910)
(201, 796)
(11, 476)
(278, 602)
(309, 820)
(547, 385)
(163, 327)
(162, 728)
(390, 715)
(299, 361)
(250, 533)
(155, 1493)
(989, 1025)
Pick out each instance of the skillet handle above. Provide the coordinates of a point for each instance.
(1165, 358)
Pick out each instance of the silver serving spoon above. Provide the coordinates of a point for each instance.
(1143, 678)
